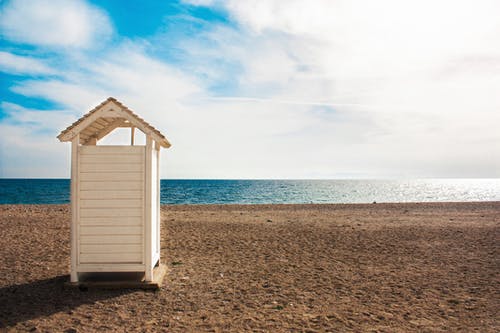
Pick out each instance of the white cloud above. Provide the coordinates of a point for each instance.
(309, 89)
(199, 2)
(59, 23)
(29, 147)
(16, 64)
(413, 81)
(35, 120)
(70, 92)
(363, 39)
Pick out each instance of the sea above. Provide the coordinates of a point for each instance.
(209, 191)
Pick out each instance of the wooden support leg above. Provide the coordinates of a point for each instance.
(149, 274)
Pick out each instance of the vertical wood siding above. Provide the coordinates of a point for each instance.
(154, 204)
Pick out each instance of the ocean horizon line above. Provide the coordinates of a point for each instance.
(272, 191)
(298, 179)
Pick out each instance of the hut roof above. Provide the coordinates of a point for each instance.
(106, 117)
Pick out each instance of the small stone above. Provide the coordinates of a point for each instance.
(71, 330)
(269, 220)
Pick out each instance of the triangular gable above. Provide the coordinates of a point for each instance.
(106, 117)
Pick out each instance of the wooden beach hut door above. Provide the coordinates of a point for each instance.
(115, 194)
(111, 196)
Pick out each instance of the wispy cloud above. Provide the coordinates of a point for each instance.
(28, 147)
(54, 23)
(16, 64)
(310, 103)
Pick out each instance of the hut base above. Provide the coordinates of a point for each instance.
(120, 280)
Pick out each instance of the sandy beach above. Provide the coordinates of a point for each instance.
(269, 268)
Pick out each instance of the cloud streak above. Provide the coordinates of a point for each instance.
(16, 64)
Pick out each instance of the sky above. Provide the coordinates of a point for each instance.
(260, 88)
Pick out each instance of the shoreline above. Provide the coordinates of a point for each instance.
(393, 267)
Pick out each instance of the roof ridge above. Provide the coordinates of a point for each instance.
(124, 108)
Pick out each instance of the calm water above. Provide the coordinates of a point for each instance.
(56, 191)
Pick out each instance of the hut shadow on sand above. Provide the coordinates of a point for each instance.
(23, 302)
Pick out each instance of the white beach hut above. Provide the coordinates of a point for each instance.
(115, 194)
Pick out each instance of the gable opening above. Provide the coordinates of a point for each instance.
(123, 137)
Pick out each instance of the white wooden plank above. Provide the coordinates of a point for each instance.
(110, 212)
(112, 159)
(154, 197)
(111, 176)
(111, 248)
(110, 119)
(111, 194)
(92, 128)
(110, 267)
(110, 203)
(101, 122)
(90, 141)
(112, 221)
(112, 185)
(148, 276)
(86, 230)
(158, 211)
(111, 167)
(74, 208)
(107, 150)
(88, 132)
(111, 257)
(96, 126)
(110, 239)
(87, 121)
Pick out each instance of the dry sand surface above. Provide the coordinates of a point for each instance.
(270, 268)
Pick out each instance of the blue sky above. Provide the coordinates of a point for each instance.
(260, 88)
